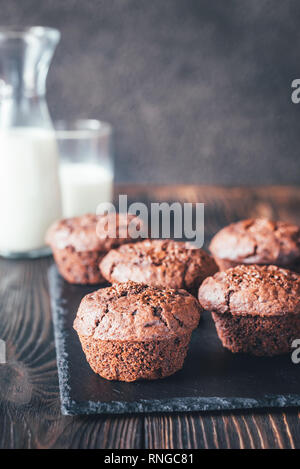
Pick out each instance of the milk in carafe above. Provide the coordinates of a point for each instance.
(29, 187)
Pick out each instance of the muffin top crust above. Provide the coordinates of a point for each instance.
(90, 232)
(159, 262)
(258, 241)
(137, 312)
(252, 290)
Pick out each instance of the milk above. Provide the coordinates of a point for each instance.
(29, 188)
(83, 187)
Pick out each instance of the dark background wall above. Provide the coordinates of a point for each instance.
(197, 91)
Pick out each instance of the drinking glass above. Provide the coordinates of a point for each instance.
(86, 165)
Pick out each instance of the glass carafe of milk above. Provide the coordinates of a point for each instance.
(29, 182)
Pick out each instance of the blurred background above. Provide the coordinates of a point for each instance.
(197, 91)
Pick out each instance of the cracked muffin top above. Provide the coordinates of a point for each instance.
(137, 312)
(258, 241)
(91, 232)
(160, 263)
(265, 290)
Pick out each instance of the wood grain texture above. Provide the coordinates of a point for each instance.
(29, 397)
(224, 431)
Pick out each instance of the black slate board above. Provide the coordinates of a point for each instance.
(212, 378)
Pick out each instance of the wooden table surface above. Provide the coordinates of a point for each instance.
(29, 396)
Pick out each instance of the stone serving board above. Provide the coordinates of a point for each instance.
(212, 378)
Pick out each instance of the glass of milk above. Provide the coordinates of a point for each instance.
(29, 181)
(86, 165)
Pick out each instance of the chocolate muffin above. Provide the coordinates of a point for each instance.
(256, 309)
(257, 241)
(163, 263)
(132, 331)
(78, 248)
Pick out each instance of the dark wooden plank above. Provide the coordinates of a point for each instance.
(29, 401)
(95, 432)
(222, 431)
